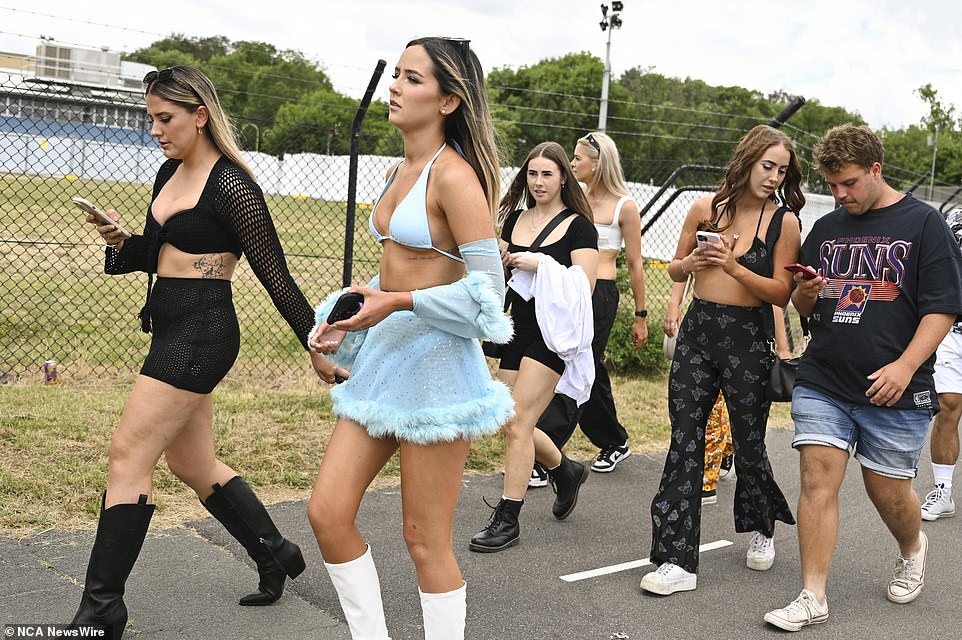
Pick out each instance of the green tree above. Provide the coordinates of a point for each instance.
(253, 79)
(321, 123)
(551, 100)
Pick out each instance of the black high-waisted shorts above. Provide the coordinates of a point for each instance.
(529, 343)
(195, 333)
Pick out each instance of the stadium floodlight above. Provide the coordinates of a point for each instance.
(609, 24)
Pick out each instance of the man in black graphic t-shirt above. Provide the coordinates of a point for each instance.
(889, 290)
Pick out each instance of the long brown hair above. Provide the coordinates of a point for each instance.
(571, 194)
(458, 72)
(750, 148)
(190, 88)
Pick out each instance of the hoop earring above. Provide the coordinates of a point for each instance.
(200, 131)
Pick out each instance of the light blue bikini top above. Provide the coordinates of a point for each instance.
(409, 222)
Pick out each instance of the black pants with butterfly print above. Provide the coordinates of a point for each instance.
(719, 346)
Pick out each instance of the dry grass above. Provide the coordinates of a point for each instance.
(54, 440)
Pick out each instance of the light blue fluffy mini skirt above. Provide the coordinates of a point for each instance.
(420, 384)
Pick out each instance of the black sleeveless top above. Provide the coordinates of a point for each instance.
(231, 215)
(759, 257)
(580, 234)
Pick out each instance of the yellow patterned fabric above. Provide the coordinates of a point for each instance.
(718, 443)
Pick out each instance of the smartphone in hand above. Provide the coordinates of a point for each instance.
(347, 306)
(807, 272)
(705, 238)
(102, 217)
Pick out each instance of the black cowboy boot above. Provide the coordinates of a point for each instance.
(120, 536)
(566, 480)
(502, 531)
(246, 519)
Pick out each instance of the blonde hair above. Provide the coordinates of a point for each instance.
(608, 173)
(459, 73)
(190, 88)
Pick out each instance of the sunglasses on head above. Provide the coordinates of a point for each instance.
(463, 44)
(594, 143)
(158, 76)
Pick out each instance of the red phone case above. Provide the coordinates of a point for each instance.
(800, 268)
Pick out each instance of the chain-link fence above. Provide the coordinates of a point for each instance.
(58, 141)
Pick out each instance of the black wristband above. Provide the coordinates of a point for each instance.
(641, 313)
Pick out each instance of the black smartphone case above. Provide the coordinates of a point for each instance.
(346, 306)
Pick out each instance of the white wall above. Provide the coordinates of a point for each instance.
(302, 174)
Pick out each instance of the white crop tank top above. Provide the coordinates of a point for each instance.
(610, 237)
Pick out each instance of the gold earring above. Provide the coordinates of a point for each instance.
(200, 131)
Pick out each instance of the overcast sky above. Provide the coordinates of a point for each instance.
(867, 56)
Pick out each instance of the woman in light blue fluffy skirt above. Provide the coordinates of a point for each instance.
(417, 381)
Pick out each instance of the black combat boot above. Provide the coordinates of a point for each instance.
(502, 531)
(566, 480)
(246, 519)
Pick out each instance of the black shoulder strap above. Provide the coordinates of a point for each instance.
(548, 228)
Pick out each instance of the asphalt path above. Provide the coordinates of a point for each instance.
(187, 581)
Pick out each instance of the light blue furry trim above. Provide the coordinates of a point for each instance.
(495, 324)
(345, 354)
(468, 420)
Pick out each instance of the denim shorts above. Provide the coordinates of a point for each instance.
(886, 440)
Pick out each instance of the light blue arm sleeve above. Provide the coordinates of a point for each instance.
(345, 354)
(472, 307)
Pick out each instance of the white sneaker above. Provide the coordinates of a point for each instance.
(802, 611)
(761, 552)
(609, 457)
(938, 504)
(906, 584)
(667, 579)
(539, 476)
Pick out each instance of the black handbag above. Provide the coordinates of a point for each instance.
(493, 349)
(781, 380)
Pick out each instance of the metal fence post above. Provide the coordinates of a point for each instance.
(352, 173)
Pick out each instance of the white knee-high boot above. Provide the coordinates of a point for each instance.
(359, 592)
(444, 614)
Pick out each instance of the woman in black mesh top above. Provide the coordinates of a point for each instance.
(206, 211)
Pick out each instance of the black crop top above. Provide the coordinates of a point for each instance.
(580, 234)
(759, 257)
(230, 215)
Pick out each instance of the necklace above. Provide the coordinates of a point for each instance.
(531, 222)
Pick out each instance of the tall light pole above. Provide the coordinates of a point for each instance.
(935, 152)
(608, 23)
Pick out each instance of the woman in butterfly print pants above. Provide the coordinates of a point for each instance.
(723, 344)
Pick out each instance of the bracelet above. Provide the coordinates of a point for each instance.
(641, 313)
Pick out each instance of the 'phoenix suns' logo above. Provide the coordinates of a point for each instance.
(851, 303)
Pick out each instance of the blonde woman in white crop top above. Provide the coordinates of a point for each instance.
(596, 164)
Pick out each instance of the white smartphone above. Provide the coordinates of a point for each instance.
(100, 215)
(707, 237)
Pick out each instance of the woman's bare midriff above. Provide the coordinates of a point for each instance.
(714, 285)
(407, 269)
(607, 268)
(174, 263)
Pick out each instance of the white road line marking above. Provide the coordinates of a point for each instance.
(625, 566)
